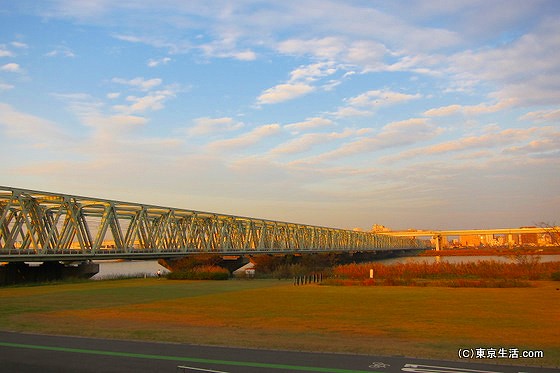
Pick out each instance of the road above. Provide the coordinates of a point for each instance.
(31, 353)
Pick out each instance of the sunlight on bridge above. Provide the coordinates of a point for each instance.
(41, 226)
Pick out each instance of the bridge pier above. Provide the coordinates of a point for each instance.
(21, 272)
(438, 241)
(233, 262)
(229, 262)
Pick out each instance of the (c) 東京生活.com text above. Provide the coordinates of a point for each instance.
(499, 353)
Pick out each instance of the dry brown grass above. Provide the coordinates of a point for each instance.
(424, 322)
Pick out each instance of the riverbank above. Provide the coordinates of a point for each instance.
(403, 320)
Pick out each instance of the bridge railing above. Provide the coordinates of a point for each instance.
(43, 224)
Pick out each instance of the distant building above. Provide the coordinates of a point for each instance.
(530, 239)
(379, 228)
(472, 240)
(479, 240)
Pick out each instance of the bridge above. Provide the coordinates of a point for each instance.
(38, 226)
(439, 234)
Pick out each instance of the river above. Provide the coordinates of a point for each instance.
(134, 268)
(148, 268)
(463, 259)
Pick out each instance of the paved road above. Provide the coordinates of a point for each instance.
(31, 353)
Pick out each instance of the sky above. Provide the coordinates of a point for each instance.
(408, 114)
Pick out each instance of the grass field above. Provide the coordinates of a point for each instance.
(427, 322)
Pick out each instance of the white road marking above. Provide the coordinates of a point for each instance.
(418, 368)
(379, 364)
(200, 369)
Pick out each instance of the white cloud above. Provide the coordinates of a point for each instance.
(548, 143)
(366, 54)
(63, 51)
(114, 123)
(106, 129)
(113, 95)
(246, 55)
(5, 52)
(543, 115)
(246, 139)
(309, 140)
(81, 104)
(225, 46)
(284, 92)
(310, 73)
(540, 90)
(494, 139)
(426, 64)
(161, 61)
(11, 68)
(348, 111)
(35, 131)
(525, 70)
(359, 22)
(19, 45)
(140, 83)
(327, 48)
(394, 134)
(300, 83)
(470, 109)
(376, 98)
(205, 126)
(443, 111)
(310, 123)
(365, 103)
(5, 86)
(153, 101)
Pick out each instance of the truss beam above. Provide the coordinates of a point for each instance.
(41, 226)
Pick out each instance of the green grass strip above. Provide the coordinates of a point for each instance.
(184, 359)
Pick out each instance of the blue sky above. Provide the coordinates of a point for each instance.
(410, 114)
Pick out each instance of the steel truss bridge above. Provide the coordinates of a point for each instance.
(44, 226)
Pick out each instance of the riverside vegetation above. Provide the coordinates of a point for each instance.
(483, 273)
(479, 274)
(198, 267)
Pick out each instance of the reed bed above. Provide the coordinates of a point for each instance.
(484, 273)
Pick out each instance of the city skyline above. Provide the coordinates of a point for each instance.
(342, 114)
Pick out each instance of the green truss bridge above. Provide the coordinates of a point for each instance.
(38, 226)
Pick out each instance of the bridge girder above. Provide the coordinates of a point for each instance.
(39, 226)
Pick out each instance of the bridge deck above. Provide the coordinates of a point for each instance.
(468, 232)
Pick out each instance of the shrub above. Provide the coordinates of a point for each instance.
(200, 273)
(189, 263)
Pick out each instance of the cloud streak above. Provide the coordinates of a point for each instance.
(392, 135)
(494, 140)
(245, 140)
(284, 92)
(11, 68)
